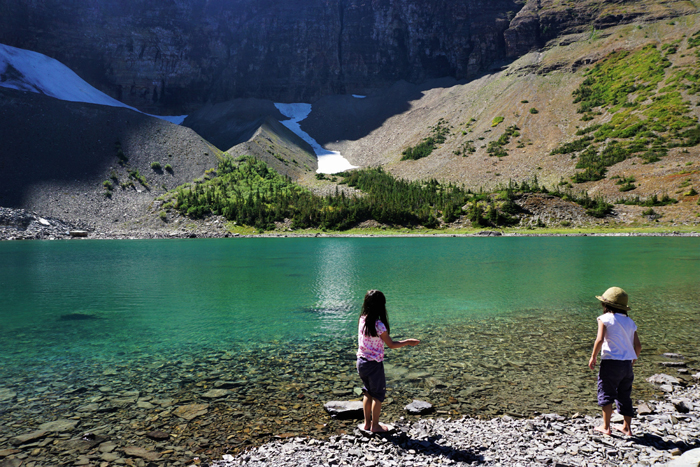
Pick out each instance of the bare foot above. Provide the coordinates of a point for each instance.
(603, 430)
(367, 426)
(622, 429)
(380, 429)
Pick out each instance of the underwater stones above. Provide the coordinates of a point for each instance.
(228, 384)
(29, 437)
(157, 435)
(135, 451)
(7, 394)
(418, 407)
(191, 411)
(344, 410)
(59, 426)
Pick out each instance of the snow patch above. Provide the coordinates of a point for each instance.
(329, 162)
(25, 70)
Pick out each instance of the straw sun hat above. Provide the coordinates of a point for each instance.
(616, 298)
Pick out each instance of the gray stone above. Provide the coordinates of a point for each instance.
(158, 435)
(191, 411)
(681, 405)
(418, 407)
(29, 437)
(673, 355)
(644, 409)
(135, 451)
(672, 364)
(216, 393)
(59, 426)
(661, 379)
(7, 394)
(688, 459)
(344, 409)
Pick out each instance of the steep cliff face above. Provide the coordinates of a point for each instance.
(177, 54)
(542, 20)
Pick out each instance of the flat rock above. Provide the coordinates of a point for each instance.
(696, 376)
(418, 407)
(59, 426)
(135, 451)
(10, 463)
(663, 379)
(688, 459)
(673, 355)
(191, 411)
(7, 394)
(29, 437)
(216, 393)
(389, 430)
(344, 409)
(672, 364)
(644, 409)
(158, 435)
(8, 452)
(228, 384)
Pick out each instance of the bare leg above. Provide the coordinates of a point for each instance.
(367, 409)
(376, 411)
(607, 415)
(626, 427)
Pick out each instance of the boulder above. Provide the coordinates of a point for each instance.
(344, 410)
(418, 407)
(661, 379)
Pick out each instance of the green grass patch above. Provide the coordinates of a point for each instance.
(439, 133)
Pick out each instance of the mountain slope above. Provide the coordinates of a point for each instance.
(59, 158)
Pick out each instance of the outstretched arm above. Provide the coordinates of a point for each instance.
(392, 344)
(598, 345)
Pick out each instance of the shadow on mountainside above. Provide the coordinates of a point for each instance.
(56, 156)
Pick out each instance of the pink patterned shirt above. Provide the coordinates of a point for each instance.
(368, 347)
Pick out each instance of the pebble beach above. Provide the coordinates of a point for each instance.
(666, 432)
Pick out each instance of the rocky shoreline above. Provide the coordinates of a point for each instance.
(666, 432)
(20, 224)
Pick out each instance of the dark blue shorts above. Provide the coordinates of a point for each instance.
(372, 375)
(615, 385)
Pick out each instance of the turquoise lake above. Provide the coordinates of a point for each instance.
(492, 312)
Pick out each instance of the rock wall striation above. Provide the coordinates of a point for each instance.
(178, 54)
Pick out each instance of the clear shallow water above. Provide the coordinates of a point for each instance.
(120, 299)
(122, 335)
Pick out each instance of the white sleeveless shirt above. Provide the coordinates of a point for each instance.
(618, 343)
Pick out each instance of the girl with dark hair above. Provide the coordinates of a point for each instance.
(373, 333)
(619, 345)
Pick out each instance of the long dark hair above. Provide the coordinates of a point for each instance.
(374, 308)
(612, 309)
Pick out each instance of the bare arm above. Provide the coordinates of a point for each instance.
(392, 344)
(597, 345)
(637, 344)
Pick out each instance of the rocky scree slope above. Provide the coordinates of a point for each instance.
(91, 165)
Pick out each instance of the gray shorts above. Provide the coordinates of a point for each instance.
(372, 375)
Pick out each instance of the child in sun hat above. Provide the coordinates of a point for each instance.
(373, 333)
(619, 345)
